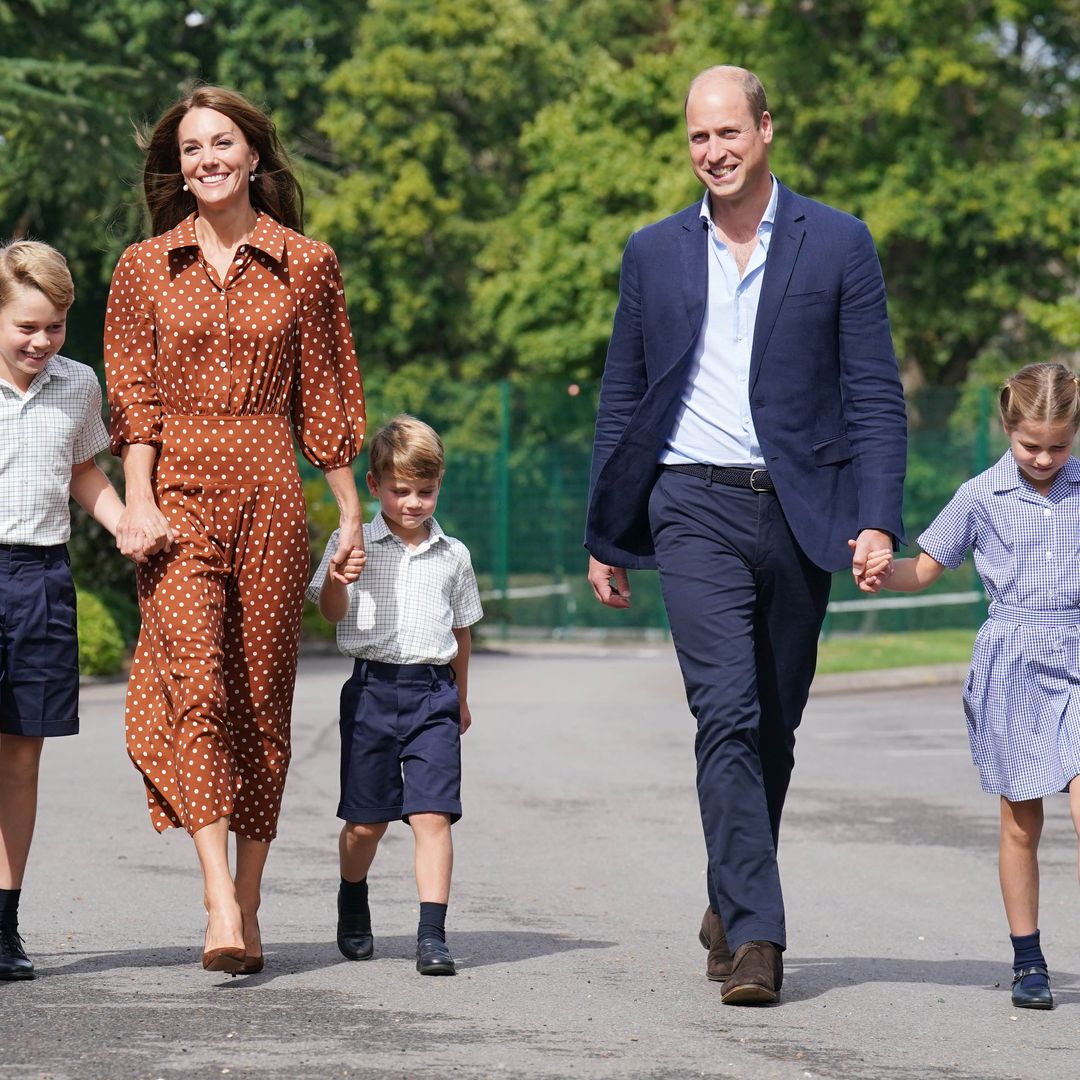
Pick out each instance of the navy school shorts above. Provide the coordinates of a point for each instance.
(39, 642)
(400, 742)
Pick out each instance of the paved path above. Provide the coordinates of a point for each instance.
(578, 894)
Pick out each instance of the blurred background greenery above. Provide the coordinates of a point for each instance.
(479, 164)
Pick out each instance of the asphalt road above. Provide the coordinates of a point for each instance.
(578, 892)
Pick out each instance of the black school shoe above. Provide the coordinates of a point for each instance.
(354, 937)
(433, 957)
(14, 963)
(1031, 997)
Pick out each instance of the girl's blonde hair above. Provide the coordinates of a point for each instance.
(408, 448)
(39, 266)
(1040, 394)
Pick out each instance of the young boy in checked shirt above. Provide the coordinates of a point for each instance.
(405, 617)
(50, 430)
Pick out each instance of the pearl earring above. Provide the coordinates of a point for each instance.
(253, 176)
(186, 188)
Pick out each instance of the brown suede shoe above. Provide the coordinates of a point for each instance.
(718, 965)
(757, 975)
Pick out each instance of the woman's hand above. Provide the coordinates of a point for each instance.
(143, 531)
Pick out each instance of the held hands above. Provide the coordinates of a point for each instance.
(347, 562)
(615, 595)
(143, 531)
(871, 566)
(352, 567)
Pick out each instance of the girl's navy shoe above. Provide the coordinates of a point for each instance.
(1031, 988)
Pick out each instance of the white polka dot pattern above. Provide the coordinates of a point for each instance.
(272, 339)
(220, 375)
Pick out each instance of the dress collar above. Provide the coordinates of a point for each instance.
(1005, 474)
(268, 235)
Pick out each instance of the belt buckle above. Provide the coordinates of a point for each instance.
(754, 473)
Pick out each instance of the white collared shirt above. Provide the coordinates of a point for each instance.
(407, 603)
(714, 425)
(44, 432)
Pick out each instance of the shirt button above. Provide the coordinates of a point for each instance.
(1049, 555)
(1047, 513)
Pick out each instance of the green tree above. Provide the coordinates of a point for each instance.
(424, 120)
(952, 131)
(80, 76)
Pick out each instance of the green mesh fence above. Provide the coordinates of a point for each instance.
(517, 483)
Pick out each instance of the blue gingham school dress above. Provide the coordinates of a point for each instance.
(1022, 696)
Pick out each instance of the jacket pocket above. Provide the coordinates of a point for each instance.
(803, 299)
(833, 451)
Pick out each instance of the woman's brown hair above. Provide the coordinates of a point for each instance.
(275, 189)
(1040, 394)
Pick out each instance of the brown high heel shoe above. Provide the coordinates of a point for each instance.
(252, 964)
(229, 959)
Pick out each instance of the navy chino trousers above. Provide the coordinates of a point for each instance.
(745, 607)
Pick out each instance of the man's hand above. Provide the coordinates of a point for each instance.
(600, 578)
(869, 575)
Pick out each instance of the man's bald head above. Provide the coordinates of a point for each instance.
(747, 81)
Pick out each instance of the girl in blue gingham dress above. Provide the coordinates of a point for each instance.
(1021, 518)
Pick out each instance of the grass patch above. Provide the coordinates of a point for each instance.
(840, 653)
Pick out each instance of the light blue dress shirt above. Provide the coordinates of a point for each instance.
(714, 425)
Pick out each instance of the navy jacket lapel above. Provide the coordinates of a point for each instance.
(694, 248)
(787, 238)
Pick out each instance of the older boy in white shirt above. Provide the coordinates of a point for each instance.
(50, 431)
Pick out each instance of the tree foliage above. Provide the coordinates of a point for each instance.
(81, 76)
(479, 164)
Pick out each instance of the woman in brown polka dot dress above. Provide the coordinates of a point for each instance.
(226, 334)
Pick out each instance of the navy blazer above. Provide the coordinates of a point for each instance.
(825, 394)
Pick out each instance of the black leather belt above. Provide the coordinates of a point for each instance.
(754, 479)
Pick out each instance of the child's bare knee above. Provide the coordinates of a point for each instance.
(361, 832)
(1022, 822)
(20, 756)
(430, 824)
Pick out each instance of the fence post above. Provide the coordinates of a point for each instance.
(982, 432)
(557, 510)
(502, 506)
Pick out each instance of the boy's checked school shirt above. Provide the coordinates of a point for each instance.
(56, 424)
(407, 603)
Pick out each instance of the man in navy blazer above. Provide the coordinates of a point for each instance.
(750, 440)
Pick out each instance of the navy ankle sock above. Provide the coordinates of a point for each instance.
(353, 903)
(9, 907)
(1027, 952)
(432, 922)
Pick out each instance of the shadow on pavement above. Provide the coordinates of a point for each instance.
(807, 978)
(471, 949)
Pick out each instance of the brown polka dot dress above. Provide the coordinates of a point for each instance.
(219, 375)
